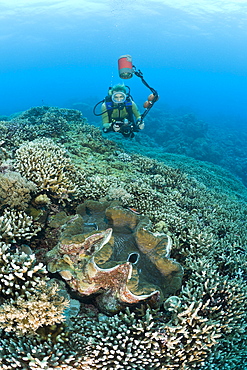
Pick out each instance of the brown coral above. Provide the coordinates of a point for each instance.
(46, 165)
(25, 316)
(15, 190)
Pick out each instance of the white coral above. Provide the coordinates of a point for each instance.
(16, 225)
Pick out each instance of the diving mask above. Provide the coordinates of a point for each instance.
(118, 97)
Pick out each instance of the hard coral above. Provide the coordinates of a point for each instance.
(124, 341)
(39, 122)
(36, 353)
(47, 166)
(19, 272)
(26, 316)
(15, 190)
(17, 225)
(28, 299)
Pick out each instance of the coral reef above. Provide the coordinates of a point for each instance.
(36, 353)
(38, 122)
(15, 190)
(145, 201)
(28, 299)
(17, 225)
(47, 166)
(19, 272)
(26, 316)
(218, 141)
(123, 341)
(207, 310)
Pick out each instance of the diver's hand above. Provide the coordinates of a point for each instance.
(116, 127)
(140, 124)
(107, 127)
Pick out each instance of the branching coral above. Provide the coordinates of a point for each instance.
(205, 317)
(15, 190)
(28, 300)
(47, 166)
(25, 316)
(17, 225)
(19, 272)
(122, 341)
(200, 206)
(35, 353)
(39, 122)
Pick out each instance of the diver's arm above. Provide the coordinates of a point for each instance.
(135, 111)
(105, 117)
(139, 122)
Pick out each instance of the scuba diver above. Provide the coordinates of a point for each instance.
(118, 110)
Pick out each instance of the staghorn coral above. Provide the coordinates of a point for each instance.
(229, 355)
(15, 190)
(17, 225)
(207, 221)
(205, 317)
(47, 166)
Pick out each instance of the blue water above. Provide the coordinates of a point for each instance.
(59, 52)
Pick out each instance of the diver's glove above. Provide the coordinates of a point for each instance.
(140, 124)
(107, 127)
(116, 127)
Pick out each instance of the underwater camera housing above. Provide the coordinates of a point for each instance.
(126, 128)
(125, 67)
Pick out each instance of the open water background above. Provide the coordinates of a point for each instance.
(56, 52)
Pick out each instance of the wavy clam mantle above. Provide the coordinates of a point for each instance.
(120, 266)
